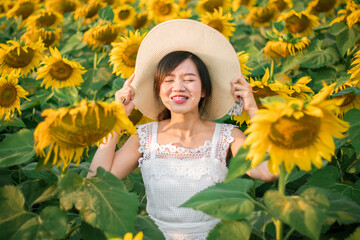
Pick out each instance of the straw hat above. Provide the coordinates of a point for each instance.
(200, 39)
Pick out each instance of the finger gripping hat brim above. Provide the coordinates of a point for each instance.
(186, 35)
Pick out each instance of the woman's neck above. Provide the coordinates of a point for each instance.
(184, 124)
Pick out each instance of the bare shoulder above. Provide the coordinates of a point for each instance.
(239, 138)
(237, 134)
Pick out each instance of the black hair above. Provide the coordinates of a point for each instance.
(168, 63)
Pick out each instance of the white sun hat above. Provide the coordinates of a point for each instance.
(200, 39)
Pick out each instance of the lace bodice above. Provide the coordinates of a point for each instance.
(173, 174)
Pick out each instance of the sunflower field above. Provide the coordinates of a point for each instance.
(61, 62)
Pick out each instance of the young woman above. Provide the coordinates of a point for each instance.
(183, 153)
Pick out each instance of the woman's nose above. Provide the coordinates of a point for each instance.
(178, 85)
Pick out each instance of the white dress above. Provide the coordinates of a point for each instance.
(173, 174)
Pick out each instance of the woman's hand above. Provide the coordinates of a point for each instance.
(126, 94)
(242, 91)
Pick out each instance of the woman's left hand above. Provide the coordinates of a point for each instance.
(242, 91)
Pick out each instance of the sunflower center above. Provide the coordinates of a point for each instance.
(348, 99)
(67, 6)
(294, 24)
(84, 133)
(46, 20)
(281, 5)
(244, 2)
(2, 8)
(163, 8)
(48, 38)
(25, 10)
(211, 5)
(92, 11)
(140, 21)
(60, 70)
(15, 60)
(291, 133)
(8, 95)
(217, 24)
(129, 55)
(262, 93)
(124, 14)
(324, 5)
(106, 35)
(265, 15)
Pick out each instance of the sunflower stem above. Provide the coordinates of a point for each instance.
(95, 59)
(271, 69)
(281, 187)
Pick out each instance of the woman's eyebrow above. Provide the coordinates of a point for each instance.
(185, 74)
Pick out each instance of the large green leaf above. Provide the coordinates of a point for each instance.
(319, 58)
(41, 96)
(328, 178)
(18, 224)
(106, 13)
(355, 235)
(230, 230)
(50, 224)
(102, 200)
(351, 90)
(145, 224)
(353, 116)
(73, 43)
(346, 40)
(37, 191)
(94, 80)
(13, 122)
(228, 201)
(67, 94)
(305, 213)
(259, 220)
(89, 232)
(17, 148)
(239, 165)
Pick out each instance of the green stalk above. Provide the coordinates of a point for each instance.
(95, 59)
(271, 69)
(278, 223)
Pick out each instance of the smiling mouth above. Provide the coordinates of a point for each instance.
(179, 99)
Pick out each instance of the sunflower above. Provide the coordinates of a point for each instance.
(90, 11)
(68, 131)
(183, 4)
(162, 10)
(129, 236)
(300, 89)
(220, 22)
(124, 15)
(184, 14)
(60, 72)
(20, 58)
(262, 16)
(243, 58)
(281, 5)
(141, 20)
(102, 35)
(295, 133)
(238, 3)
(62, 6)
(282, 47)
(299, 23)
(350, 15)
(49, 37)
(326, 6)
(4, 8)
(45, 18)
(355, 70)
(23, 9)
(123, 54)
(209, 6)
(10, 94)
(350, 100)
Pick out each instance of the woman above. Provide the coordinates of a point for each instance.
(183, 153)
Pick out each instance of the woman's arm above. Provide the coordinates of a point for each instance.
(124, 160)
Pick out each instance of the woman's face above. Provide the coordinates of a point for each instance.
(181, 89)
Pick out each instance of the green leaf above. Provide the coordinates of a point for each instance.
(279, 26)
(106, 13)
(351, 90)
(305, 213)
(13, 122)
(68, 94)
(145, 224)
(94, 80)
(102, 200)
(259, 220)
(228, 201)
(88, 232)
(13, 214)
(337, 28)
(319, 58)
(17, 148)
(346, 40)
(50, 224)
(74, 43)
(230, 230)
(37, 191)
(355, 235)
(353, 116)
(238, 164)
(118, 83)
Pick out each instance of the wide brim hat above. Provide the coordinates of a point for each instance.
(200, 39)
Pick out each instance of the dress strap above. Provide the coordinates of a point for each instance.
(146, 139)
(154, 130)
(223, 142)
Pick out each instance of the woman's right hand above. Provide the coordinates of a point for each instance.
(126, 94)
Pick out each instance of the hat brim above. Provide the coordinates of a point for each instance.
(200, 39)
